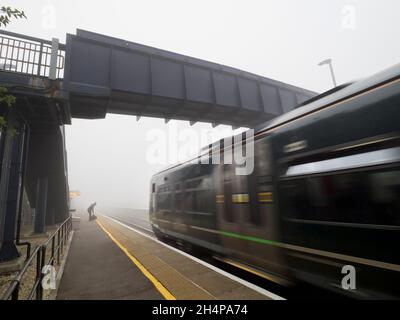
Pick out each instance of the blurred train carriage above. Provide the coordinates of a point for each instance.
(324, 193)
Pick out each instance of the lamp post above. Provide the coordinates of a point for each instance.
(329, 62)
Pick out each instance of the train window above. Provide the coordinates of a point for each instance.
(200, 201)
(371, 158)
(153, 188)
(198, 195)
(164, 197)
(362, 197)
(192, 184)
(203, 183)
(164, 188)
(164, 201)
(179, 200)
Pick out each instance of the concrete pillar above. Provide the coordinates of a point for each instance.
(7, 140)
(50, 216)
(52, 191)
(8, 249)
(41, 204)
(61, 210)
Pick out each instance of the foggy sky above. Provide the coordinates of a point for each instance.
(282, 40)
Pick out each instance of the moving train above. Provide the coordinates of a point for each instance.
(322, 205)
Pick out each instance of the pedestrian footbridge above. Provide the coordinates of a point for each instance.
(98, 74)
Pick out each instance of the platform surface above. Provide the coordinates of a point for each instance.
(97, 269)
(108, 260)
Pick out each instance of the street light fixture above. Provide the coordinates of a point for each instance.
(329, 62)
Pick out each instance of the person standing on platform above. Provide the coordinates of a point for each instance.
(90, 210)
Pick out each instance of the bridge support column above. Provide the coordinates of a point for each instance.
(61, 213)
(50, 216)
(12, 176)
(41, 204)
(51, 195)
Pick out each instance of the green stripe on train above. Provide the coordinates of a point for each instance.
(249, 238)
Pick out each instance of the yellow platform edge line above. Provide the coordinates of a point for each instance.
(157, 284)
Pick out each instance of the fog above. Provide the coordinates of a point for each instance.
(282, 40)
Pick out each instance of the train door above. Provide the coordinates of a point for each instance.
(247, 216)
(230, 217)
(261, 222)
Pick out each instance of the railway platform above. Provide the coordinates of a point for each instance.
(110, 260)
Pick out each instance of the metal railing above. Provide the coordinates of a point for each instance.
(29, 55)
(54, 246)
